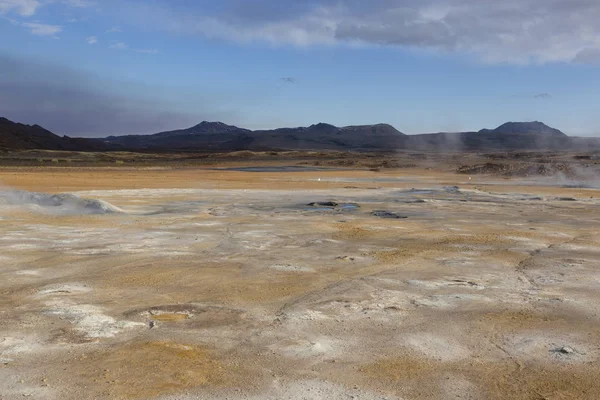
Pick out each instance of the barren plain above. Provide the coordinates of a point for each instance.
(297, 282)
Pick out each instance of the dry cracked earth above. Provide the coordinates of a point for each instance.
(225, 284)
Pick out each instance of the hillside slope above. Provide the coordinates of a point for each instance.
(15, 136)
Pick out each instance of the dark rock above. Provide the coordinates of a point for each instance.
(566, 350)
(331, 204)
(387, 215)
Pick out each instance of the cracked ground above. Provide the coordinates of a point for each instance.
(210, 284)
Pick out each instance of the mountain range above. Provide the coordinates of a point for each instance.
(220, 137)
(217, 136)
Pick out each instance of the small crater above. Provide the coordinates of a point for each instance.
(387, 215)
(330, 204)
(171, 317)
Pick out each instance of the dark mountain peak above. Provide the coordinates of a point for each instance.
(210, 124)
(7, 122)
(322, 126)
(534, 127)
(212, 127)
(378, 129)
(203, 128)
(385, 126)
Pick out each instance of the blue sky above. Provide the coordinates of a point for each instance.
(95, 68)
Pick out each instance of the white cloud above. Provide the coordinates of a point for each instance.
(37, 28)
(92, 40)
(493, 31)
(42, 29)
(513, 31)
(25, 8)
(119, 46)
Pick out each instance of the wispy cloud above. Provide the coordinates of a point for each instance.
(25, 8)
(114, 29)
(124, 46)
(529, 96)
(92, 40)
(36, 28)
(119, 46)
(288, 79)
(42, 29)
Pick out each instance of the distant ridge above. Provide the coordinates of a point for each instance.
(220, 137)
(217, 136)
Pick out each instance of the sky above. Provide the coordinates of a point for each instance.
(109, 67)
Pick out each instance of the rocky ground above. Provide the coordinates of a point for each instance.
(226, 284)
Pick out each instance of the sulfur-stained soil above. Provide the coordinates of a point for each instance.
(213, 282)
